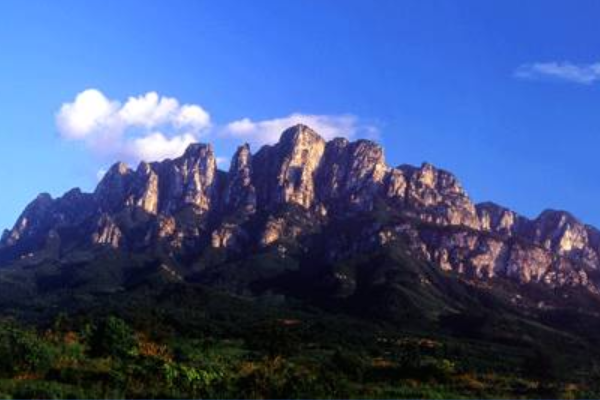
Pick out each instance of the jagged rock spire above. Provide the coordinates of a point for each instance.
(241, 193)
(285, 173)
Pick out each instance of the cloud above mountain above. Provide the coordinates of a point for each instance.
(329, 126)
(149, 126)
(152, 127)
(584, 74)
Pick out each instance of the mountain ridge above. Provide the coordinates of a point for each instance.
(287, 193)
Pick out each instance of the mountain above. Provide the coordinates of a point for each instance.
(289, 197)
(309, 223)
(324, 243)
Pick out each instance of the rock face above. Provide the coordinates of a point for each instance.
(435, 196)
(285, 173)
(107, 233)
(36, 218)
(497, 219)
(353, 174)
(291, 193)
(190, 180)
(241, 193)
(147, 195)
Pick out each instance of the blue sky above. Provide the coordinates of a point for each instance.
(504, 94)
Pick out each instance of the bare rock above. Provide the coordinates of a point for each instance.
(285, 173)
(241, 193)
(436, 196)
(107, 233)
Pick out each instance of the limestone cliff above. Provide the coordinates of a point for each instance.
(290, 194)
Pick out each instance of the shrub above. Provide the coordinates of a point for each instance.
(280, 378)
(350, 364)
(113, 337)
(49, 390)
(195, 382)
(22, 351)
(273, 338)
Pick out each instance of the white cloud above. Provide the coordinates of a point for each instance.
(90, 112)
(148, 127)
(192, 116)
(149, 110)
(263, 132)
(585, 74)
(152, 127)
(157, 146)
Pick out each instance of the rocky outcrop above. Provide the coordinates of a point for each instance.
(147, 189)
(352, 175)
(36, 220)
(484, 257)
(292, 192)
(274, 230)
(229, 236)
(562, 234)
(113, 191)
(500, 220)
(190, 180)
(436, 196)
(285, 173)
(240, 194)
(45, 215)
(107, 232)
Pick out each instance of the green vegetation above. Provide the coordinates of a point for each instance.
(317, 356)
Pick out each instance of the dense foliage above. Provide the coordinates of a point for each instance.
(316, 357)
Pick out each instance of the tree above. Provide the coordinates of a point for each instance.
(113, 337)
(274, 338)
(23, 351)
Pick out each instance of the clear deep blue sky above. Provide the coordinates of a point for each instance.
(436, 77)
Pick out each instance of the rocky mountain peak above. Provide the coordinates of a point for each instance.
(42, 201)
(241, 158)
(241, 193)
(498, 219)
(557, 218)
(436, 196)
(116, 173)
(113, 186)
(35, 219)
(562, 233)
(286, 171)
(73, 194)
(146, 188)
(198, 150)
(299, 135)
(190, 180)
(353, 174)
(293, 189)
(144, 168)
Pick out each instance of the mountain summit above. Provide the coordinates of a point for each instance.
(311, 204)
